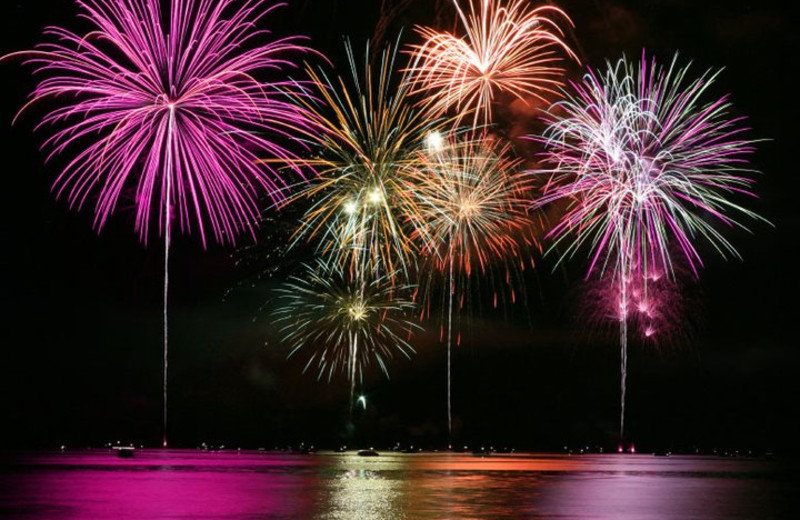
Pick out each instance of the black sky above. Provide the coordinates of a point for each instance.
(81, 320)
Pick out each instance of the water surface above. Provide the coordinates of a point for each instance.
(177, 484)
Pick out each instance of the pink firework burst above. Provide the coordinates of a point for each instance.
(657, 309)
(170, 105)
(644, 162)
(646, 165)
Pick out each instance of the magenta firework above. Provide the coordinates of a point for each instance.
(655, 308)
(167, 106)
(644, 162)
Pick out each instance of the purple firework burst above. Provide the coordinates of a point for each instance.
(644, 163)
(170, 105)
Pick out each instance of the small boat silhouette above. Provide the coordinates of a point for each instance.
(125, 452)
(368, 453)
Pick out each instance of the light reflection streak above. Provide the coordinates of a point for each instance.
(243, 485)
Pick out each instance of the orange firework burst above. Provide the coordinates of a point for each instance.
(507, 48)
(471, 203)
(470, 214)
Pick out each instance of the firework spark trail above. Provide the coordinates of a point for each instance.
(370, 139)
(345, 322)
(471, 215)
(167, 105)
(643, 161)
(507, 48)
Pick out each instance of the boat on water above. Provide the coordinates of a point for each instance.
(368, 453)
(125, 452)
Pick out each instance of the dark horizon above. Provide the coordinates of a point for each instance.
(82, 311)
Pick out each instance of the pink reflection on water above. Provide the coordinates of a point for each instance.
(174, 484)
(166, 484)
(644, 487)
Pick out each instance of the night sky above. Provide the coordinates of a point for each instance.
(81, 321)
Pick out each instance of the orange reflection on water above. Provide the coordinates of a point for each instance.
(173, 484)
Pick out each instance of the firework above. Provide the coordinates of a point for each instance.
(166, 106)
(644, 163)
(345, 323)
(369, 145)
(471, 200)
(507, 48)
(471, 215)
(656, 307)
